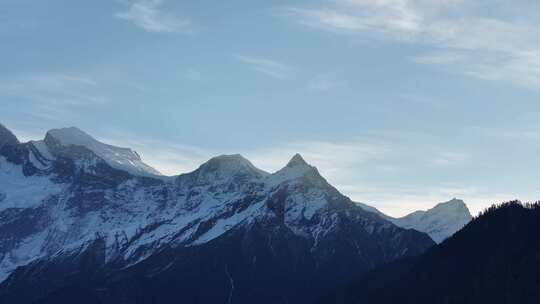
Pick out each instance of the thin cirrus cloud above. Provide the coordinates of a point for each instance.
(325, 82)
(268, 67)
(333, 158)
(50, 96)
(168, 158)
(150, 16)
(457, 36)
(338, 161)
(446, 159)
(398, 200)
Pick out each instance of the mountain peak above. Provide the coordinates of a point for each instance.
(456, 201)
(71, 136)
(452, 205)
(225, 166)
(227, 161)
(7, 137)
(297, 160)
(117, 157)
(297, 168)
(229, 157)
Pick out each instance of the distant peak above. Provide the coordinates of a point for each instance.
(453, 206)
(229, 162)
(297, 160)
(297, 168)
(224, 167)
(7, 137)
(71, 135)
(456, 201)
(453, 203)
(439, 222)
(229, 158)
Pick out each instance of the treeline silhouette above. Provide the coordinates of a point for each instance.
(508, 204)
(493, 259)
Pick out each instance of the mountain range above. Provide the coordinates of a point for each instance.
(87, 221)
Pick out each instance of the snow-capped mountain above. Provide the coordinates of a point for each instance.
(117, 157)
(73, 209)
(439, 222)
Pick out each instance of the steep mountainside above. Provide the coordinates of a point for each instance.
(494, 259)
(6, 137)
(72, 222)
(440, 222)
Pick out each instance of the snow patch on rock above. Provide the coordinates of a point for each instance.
(20, 191)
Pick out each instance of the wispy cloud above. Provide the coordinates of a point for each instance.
(325, 82)
(461, 37)
(528, 134)
(361, 168)
(383, 16)
(50, 96)
(446, 158)
(398, 200)
(439, 58)
(193, 74)
(25, 136)
(365, 169)
(266, 66)
(167, 157)
(150, 16)
(334, 159)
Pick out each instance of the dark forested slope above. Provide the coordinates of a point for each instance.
(494, 259)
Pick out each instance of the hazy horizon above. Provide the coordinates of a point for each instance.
(166, 170)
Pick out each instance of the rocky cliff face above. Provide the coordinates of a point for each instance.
(6, 137)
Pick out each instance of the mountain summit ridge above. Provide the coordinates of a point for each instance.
(297, 160)
(117, 157)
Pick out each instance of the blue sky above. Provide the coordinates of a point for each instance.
(400, 103)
